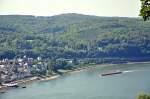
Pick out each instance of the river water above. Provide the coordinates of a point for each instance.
(90, 84)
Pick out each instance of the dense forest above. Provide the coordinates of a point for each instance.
(73, 36)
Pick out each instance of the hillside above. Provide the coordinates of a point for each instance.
(73, 36)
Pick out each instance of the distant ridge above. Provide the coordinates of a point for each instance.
(73, 35)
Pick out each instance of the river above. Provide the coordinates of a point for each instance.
(90, 84)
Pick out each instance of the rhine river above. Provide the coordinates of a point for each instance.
(90, 84)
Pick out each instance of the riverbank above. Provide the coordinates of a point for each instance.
(30, 80)
(24, 82)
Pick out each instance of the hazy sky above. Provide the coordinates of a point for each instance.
(125, 8)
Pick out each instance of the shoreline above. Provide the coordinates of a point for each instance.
(35, 79)
(28, 81)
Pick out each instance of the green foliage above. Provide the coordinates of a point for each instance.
(145, 9)
(73, 36)
(143, 96)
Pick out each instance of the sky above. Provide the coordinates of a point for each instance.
(121, 8)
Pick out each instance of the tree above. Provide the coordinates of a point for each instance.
(145, 9)
(50, 67)
(143, 96)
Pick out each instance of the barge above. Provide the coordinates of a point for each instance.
(111, 73)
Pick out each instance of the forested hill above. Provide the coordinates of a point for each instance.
(73, 36)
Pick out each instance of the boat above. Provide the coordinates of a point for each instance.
(11, 85)
(111, 73)
(2, 92)
(23, 86)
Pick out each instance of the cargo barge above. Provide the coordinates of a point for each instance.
(111, 73)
